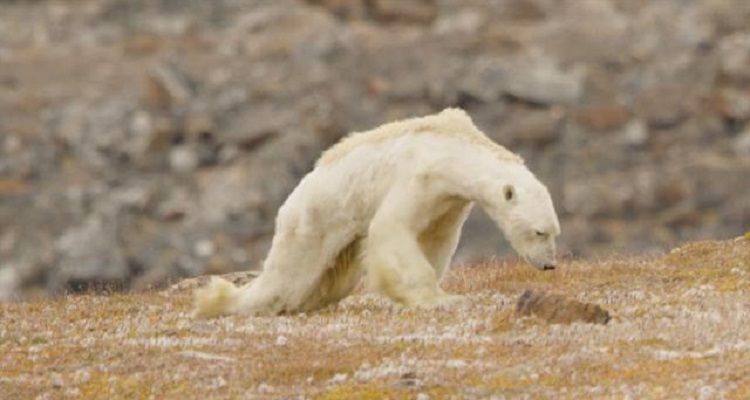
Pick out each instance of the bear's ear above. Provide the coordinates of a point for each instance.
(509, 193)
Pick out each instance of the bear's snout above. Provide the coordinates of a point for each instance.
(544, 264)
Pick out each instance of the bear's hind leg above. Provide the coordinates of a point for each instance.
(340, 279)
(293, 271)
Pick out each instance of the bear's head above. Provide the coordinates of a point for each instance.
(523, 210)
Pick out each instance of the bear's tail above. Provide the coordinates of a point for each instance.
(217, 298)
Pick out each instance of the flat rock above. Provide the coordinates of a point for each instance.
(558, 309)
(90, 254)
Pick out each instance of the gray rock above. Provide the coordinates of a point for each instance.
(89, 252)
(635, 133)
(537, 78)
(485, 79)
(151, 137)
(664, 106)
(531, 76)
(464, 22)
(742, 144)
(255, 125)
(734, 56)
(586, 31)
(184, 158)
(734, 104)
(534, 127)
(10, 282)
(414, 11)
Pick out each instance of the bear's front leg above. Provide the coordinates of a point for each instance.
(397, 267)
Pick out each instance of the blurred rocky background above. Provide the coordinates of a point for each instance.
(146, 140)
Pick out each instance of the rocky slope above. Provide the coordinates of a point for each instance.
(141, 141)
(679, 328)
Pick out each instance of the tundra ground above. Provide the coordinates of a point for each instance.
(680, 329)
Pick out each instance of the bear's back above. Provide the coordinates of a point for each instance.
(451, 122)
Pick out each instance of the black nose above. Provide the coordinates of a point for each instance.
(548, 267)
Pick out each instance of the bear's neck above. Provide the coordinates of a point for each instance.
(481, 177)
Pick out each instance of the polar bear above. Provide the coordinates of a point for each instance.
(389, 204)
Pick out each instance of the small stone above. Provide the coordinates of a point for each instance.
(338, 378)
(184, 158)
(346, 9)
(217, 383)
(142, 43)
(90, 252)
(742, 143)
(465, 22)
(10, 282)
(8, 240)
(152, 136)
(12, 144)
(537, 78)
(412, 11)
(12, 186)
(199, 125)
(734, 56)
(486, 79)
(57, 380)
(409, 375)
(635, 133)
(664, 106)
(733, 104)
(140, 124)
(205, 248)
(557, 309)
(265, 388)
(409, 380)
(535, 127)
(239, 256)
(250, 129)
(134, 197)
(672, 191)
(603, 117)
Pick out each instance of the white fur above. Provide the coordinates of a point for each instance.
(390, 203)
(215, 299)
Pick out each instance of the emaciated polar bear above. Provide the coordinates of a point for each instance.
(390, 203)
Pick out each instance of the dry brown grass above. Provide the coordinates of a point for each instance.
(680, 330)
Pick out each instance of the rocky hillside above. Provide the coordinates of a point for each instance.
(679, 328)
(141, 141)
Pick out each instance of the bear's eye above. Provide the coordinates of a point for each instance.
(541, 234)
